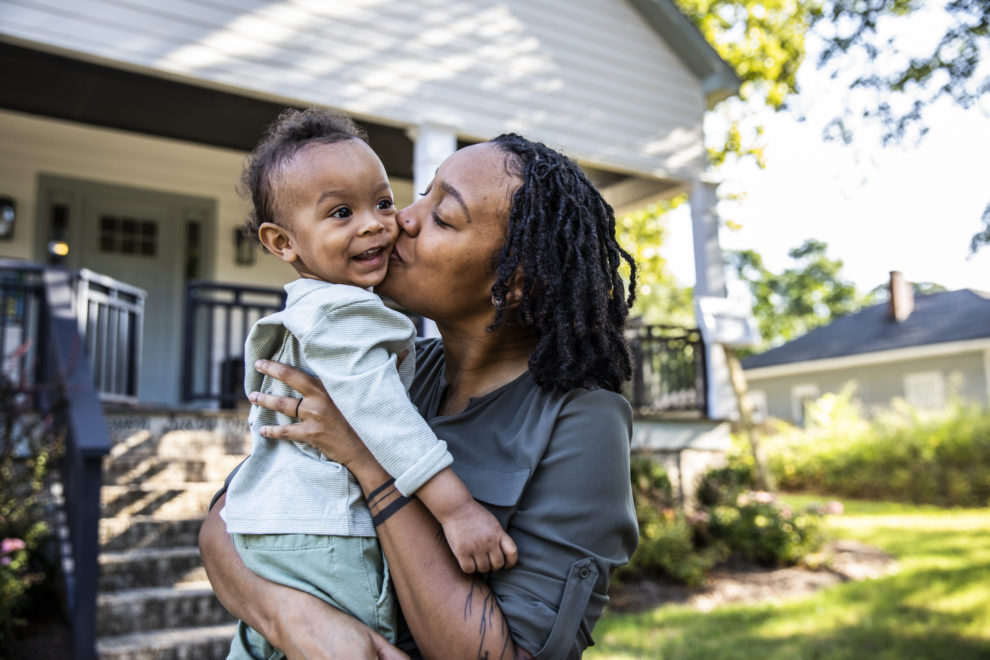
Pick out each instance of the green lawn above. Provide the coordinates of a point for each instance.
(937, 604)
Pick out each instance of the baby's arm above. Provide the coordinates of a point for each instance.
(477, 540)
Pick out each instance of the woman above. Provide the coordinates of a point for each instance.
(512, 252)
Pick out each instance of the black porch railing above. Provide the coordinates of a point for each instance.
(218, 318)
(53, 326)
(668, 362)
(669, 371)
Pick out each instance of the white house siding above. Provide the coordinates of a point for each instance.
(878, 384)
(586, 75)
(30, 146)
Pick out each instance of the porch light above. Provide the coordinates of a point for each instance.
(244, 251)
(58, 248)
(8, 213)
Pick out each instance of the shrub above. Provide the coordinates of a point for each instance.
(903, 454)
(732, 521)
(28, 446)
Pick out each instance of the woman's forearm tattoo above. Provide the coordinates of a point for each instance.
(491, 618)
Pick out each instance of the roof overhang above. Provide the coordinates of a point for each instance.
(868, 359)
(718, 79)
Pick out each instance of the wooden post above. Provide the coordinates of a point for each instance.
(764, 479)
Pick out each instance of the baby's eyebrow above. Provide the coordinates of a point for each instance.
(330, 193)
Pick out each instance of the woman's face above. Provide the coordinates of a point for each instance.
(441, 263)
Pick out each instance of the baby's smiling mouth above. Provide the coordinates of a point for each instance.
(370, 255)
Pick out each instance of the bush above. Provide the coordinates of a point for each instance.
(27, 448)
(902, 455)
(732, 522)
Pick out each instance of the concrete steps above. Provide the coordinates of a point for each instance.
(154, 600)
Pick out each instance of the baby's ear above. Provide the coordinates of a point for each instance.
(277, 241)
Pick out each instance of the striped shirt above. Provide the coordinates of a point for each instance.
(349, 339)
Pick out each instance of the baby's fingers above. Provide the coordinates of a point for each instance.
(509, 551)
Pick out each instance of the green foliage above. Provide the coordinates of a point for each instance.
(902, 455)
(732, 521)
(659, 299)
(28, 446)
(725, 485)
(764, 41)
(800, 298)
(761, 531)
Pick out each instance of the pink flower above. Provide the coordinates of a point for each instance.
(763, 497)
(834, 508)
(11, 545)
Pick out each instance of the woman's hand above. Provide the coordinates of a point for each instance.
(321, 425)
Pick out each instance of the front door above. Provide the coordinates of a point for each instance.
(148, 239)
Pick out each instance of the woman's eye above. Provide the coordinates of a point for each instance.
(437, 221)
(342, 212)
(385, 204)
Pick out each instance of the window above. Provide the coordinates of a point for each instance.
(129, 236)
(925, 389)
(801, 397)
(758, 405)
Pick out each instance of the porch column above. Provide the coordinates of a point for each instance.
(432, 143)
(710, 281)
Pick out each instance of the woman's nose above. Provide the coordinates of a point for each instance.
(407, 220)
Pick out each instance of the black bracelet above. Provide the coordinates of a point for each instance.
(390, 510)
(378, 490)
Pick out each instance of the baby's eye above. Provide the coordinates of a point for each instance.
(385, 204)
(341, 212)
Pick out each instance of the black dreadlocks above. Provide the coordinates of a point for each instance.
(291, 131)
(562, 255)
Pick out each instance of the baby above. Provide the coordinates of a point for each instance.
(323, 204)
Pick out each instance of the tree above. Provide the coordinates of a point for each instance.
(765, 42)
(659, 298)
(802, 297)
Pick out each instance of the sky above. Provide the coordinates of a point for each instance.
(911, 207)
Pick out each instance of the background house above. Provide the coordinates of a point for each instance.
(925, 349)
(123, 124)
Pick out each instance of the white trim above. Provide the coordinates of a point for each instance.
(872, 358)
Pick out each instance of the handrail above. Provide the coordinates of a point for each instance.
(87, 442)
(39, 308)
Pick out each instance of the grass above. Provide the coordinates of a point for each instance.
(936, 605)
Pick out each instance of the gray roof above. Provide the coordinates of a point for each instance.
(937, 318)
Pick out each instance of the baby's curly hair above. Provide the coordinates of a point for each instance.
(292, 130)
(562, 253)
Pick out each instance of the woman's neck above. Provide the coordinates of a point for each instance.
(479, 363)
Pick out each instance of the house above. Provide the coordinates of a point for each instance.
(123, 126)
(926, 349)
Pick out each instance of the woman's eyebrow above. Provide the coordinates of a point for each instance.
(452, 191)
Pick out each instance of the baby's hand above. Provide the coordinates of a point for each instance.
(477, 540)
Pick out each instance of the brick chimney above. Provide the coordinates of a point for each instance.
(901, 302)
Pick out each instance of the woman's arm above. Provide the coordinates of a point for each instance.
(300, 625)
(450, 614)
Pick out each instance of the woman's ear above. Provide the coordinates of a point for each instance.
(277, 241)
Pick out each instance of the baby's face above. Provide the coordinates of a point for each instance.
(335, 203)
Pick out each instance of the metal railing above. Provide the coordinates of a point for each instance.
(218, 318)
(40, 328)
(669, 371)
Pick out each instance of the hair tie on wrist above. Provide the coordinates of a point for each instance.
(378, 490)
(379, 518)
